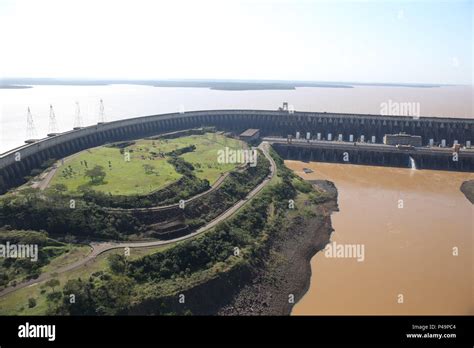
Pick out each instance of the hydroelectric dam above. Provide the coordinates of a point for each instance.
(333, 137)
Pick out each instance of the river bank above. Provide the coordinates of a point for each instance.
(467, 188)
(285, 275)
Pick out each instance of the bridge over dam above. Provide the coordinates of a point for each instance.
(373, 154)
(18, 163)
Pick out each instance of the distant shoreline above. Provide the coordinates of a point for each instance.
(14, 87)
(222, 85)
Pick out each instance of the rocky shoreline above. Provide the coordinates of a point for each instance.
(285, 275)
(467, 188)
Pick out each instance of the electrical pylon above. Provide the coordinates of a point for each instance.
(78, 119)
(30, 126)
(101, 112)
(53, 126)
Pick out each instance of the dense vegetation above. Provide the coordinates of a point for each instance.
(101, 294)
(54, 212)
(181, 151)
(113, 292)
(13, 270)
(236, 186)
(184, 188)
(128, 283)
(204, 252)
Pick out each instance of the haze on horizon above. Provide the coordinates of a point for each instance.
(388, 42)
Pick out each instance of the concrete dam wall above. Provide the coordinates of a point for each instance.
(18, 163)
(380, 156)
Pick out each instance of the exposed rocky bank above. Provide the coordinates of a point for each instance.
(467, 188)
(285, 276)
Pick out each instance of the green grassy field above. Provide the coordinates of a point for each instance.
(204, 159)
(131, 177)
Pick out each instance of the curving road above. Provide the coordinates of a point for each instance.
(99, 248)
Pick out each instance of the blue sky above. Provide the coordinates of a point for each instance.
(366, 41)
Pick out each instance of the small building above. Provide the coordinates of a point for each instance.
(250, 134)
(284, 107)
(402, 139)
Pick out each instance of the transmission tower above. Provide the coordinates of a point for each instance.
(78, 119)
(101, 112)
(53, 126)
(30, 126)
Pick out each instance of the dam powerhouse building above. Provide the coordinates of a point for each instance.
(402, 139)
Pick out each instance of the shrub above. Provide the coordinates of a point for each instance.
(31, 302)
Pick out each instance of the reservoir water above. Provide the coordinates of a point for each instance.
(125, 101)
(411, 224)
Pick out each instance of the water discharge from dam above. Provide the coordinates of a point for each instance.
(412, 163)
(409, 223)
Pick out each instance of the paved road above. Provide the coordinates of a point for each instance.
(99, 248)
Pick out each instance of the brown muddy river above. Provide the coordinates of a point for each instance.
(407, 224)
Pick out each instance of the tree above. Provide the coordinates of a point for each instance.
(30, 194)
(59, 188)
(31, 302)
(96, 174)
(83, 302)
(54, 296)
(117, 263)
(52, 283)
(55, 192)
